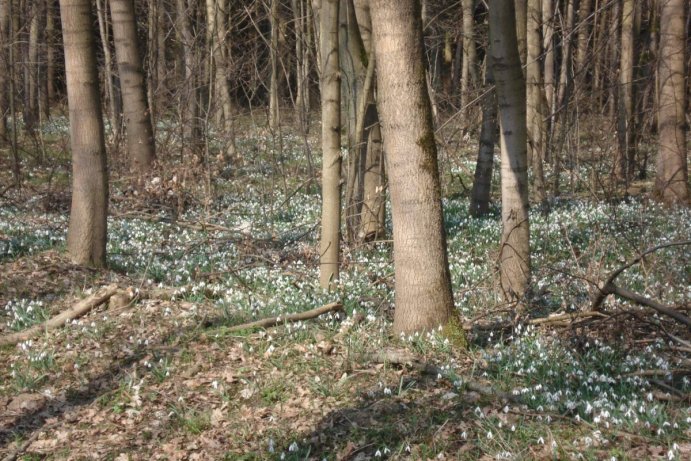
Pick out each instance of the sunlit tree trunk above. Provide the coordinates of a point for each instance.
(140, 138)
(31, 73)
(331, 143)
(548, 45)
(671, 183)
(623, 166)
(480, 194)
(300, 12)
(535, 113)
(423, 289)
(514, 253)
(582, 61)
(86, 235)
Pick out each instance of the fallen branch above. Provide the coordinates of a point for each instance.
(291, 318)
(608, 288)
(79, 309)
(404, 357)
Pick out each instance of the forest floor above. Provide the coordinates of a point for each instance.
(167, 378)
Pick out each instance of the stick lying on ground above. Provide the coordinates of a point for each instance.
(609, 288)
(79, 309)
(291, 318)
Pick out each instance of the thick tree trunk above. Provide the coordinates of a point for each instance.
(423, 288)
(535, 109)
(671, 183)
(514, 253)
(624, 162)
(86, 236)
(140, 138)
(331, 143)
(480, 194)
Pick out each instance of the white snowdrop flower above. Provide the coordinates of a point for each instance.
(464, 435)
(670, 455)
(505, 409)
(513, 428)
(490, 436)
(387, 391)
(293, 447)
(407, 447)
(271, 446)
(377, 454)
(214, 384)
(386, 450)
(649, 396)
(541, 441)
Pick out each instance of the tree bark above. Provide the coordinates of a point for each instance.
(5, 75)
(548, 44)
(480, 194)
(469, 65)
(140, 137)
(113, 97)
(514, 253)
(671, 183)
(624, 161)
(273, 57)
(522, 30)
(423, 288)
(331, 143)
(189, 103)
(86, 235)
(535, 112)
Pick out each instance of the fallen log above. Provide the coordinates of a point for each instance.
(76, 311)
(290, 318)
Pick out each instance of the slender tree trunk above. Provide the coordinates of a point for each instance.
(50, 53)
(480, 194)
(514, 253)
(624, 162)
(189, 103)
(86, 236)
(548, 44)
(140, 138)
(423, 287)
(614, 41)
(671, 183)
(331, 143)
(4, 68)
(273, 55)
(565, 71)
(582, 61)
(31, 109)
(301, 64)
(113, 97)
(469, 65)
(535, 113)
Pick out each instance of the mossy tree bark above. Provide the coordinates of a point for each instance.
(86, 236)
(423, 288)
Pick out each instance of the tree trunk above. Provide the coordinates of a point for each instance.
(189, 103)
(514, 253)
(113, 97)
(301, 64)
(671, 183)
(535, 113)
(4, 68)
(623, 166)
(331, 143)
(140, 138)
(86, 236)
(522, 30)
(548, 44)
(565, 68)
(480, 194)
(50, 53)
(469, 65)
(273, 56)
(423, 288)
(31, 87)
(582, 61)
